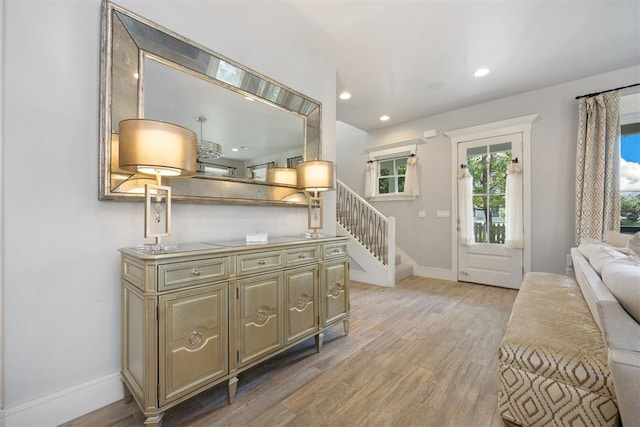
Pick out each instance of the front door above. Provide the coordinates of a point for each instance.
(488, 261)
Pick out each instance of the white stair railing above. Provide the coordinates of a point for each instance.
(365, 223)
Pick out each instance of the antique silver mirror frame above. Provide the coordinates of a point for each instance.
(122, 97)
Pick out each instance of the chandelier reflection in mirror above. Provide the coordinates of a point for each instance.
(207, 150)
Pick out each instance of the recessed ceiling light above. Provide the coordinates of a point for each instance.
(481, 72)
(345, 95)
(235, 149)
(384, 118)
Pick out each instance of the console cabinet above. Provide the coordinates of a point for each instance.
(197, 316)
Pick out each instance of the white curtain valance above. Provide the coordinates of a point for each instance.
(465, 207)
(370, 180)
(411, 186)
(514, 233)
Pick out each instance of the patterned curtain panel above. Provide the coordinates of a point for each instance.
(370, 180)
(411, 186)
(465, 207)
(514, 233)
(598, 166)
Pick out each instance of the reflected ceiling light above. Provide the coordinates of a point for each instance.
(248, 98)
(345, 95)
(481, 72)
(207, 149)
(384, 118)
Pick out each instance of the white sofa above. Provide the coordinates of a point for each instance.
(620, 327)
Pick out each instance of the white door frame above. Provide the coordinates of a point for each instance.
(504, 127)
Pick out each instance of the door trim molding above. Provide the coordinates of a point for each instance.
(521, 125)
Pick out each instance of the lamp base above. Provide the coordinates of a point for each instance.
(314, 235)
(156, 248)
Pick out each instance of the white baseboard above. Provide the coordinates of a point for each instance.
(436, 273)
(65, 405)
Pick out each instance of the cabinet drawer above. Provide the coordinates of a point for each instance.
(133, 271)
(260, 261)
(335, 250)
(180, 274)
(301, 255)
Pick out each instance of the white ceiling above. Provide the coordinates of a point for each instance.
(412, 59)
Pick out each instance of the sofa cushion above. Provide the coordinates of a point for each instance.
(634, 244)
(603, 255)
(587, 246)
(615, 239)
(622, 278)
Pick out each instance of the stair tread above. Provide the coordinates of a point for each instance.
(403, 270)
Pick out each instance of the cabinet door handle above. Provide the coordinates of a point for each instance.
(335, 251)
(302, 256)
(195, 338)
(196, 272)
(261, 262)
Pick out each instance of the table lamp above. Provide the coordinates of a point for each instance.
(283, 176)
(315, 176)
(153, 147)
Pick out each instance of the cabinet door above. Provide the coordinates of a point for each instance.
(193, 339)
(335, 291)
(301, 315)
(260, 312)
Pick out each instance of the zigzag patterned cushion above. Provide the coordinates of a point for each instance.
(552, 361)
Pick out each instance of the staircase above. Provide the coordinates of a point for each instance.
(372, 242)
(402, 270)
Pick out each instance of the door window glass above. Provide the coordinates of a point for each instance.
(488, 167)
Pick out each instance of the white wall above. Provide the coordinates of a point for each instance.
(61, 277)
(1, 203)
(428, 240)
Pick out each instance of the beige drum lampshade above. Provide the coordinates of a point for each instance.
(316, 175)
(152, 146)
(284, 176)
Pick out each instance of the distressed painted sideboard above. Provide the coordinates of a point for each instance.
(198, 315)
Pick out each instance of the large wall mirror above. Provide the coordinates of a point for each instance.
(151, 72)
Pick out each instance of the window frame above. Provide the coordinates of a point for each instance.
(628, 129)
(395, 153)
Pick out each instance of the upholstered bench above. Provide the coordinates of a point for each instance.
(552, 363)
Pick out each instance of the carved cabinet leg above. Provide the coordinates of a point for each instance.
(154, 421)
(345, 323)
(319, 340)
(128, 397)
(232, 386)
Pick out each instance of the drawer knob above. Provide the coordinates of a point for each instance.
(336, 250)
(302, 256)
(261, 262)
(196, 272)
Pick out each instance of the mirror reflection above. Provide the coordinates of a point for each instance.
(250, 132)
(259, 124)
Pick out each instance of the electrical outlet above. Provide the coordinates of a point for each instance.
(422, 214)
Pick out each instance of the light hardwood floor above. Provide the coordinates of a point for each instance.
(421, 354)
